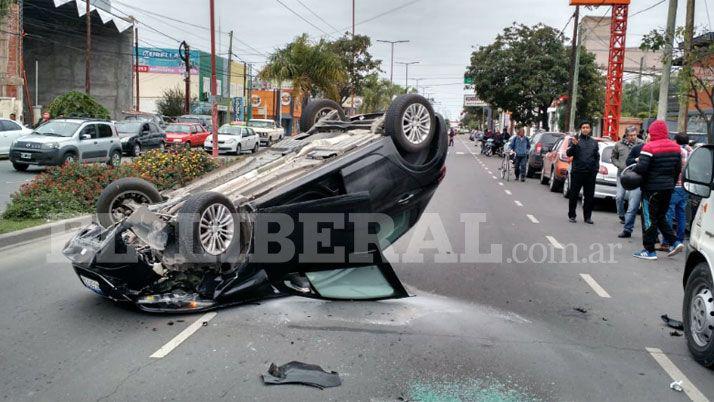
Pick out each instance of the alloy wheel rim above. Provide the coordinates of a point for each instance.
(119, 209)
(700, 317)
(216, 229)
(137, 149)
(116, 159)
(416, 123)
(322, 113)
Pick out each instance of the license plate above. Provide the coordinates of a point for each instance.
(25, 155)
(91, 284)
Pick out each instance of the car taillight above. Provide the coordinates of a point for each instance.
(603, 170)
(539, 147)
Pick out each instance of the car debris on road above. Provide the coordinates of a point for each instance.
(301, 373)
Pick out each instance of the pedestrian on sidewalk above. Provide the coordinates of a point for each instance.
(583, 170)
(520, 144)
(452, 134)
(677, 212)
(45, 118)
(659, 164)
(620, 153)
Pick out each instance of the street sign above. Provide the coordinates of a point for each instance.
(472, 100)
(468, 80)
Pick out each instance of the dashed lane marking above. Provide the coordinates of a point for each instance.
(520, 204)
(182, 336)
(554, 242)
(596, 286)
(533, 218)
(692, 392)
(494, 177)
(500, 183)
(460, 153)
(508, 192)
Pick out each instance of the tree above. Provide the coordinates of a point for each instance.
(311, 67)
(78, 104)
(357, 61)
(377, 93)
(171, 102)
(526, 68)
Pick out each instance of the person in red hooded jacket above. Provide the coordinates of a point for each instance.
(659, 165)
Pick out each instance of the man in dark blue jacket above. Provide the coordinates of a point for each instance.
(520, 145)
(659, 165)
(583, 171)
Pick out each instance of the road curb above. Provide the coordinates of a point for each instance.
(21, 236)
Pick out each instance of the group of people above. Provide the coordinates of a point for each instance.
(660, 163)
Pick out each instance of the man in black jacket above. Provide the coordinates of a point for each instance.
(583, 170)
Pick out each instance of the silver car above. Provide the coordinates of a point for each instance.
(606, 180)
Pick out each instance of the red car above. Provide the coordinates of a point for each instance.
(186, 134)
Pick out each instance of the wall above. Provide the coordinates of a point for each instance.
(10, 78)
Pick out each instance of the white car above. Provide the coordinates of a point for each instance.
(234, 139)
(269, 131)
(10, 130)
(698, 305)
(606, 179)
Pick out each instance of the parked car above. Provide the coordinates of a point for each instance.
(556, 165)
(137, 136)
(203, 119)
(67, 140)
(698, 304)
(234, 139)
(10, 130)
(268, 130)
(186, 134)
(541, 144)
(606, 179)
(193, 249)
(151, 117)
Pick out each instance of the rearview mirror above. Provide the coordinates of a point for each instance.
(698, 173)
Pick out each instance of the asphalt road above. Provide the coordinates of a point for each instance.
(11, 180)
(500, 330)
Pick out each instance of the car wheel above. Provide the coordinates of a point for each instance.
(162, 147)
(255, 148)
(114, 159)
(136, 151)
(566, 187)
(411, 122)
(20, 167)
(187, 145)
(120, 198)
(316, 110)
(543, 178)
(239, 149)
(554, 185)
(69, 158)
(208, 226)
(698, 315)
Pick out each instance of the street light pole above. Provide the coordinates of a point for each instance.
(214, 106)
(391, 68)
(88, 50)
(406, 66)
(667, 65)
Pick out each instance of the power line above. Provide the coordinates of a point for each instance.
(382, 14)
(316, 15)
(303, 18)
(647, 9)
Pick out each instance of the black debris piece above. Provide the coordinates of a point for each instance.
(301, 373)
(675, 333)
(674, 324)
(580, 310)
(170, 323)
(205, 323)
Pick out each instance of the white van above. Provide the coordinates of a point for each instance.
(698, 306)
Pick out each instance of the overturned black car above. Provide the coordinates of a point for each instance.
(309, 216)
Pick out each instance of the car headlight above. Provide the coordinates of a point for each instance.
(51, 145)
(125, 139)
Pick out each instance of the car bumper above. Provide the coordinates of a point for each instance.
(36, 156)
(536, 161)
(605, 189)
(220, 149)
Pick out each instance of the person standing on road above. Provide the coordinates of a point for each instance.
(677, 211)
(452, 134)
(583, 170)
(659, 164)
(620, 153)
(520, 145)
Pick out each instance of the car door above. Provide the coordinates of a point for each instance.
(89, 149)
(318, 270)
(105, 141)
(253, 138)
(145, 136)
(550, 158)
(9, 132)
(157, 137)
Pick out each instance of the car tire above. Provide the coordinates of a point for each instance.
(239, 149)
(417, 110)
(69, 157)
(114, 159)
(317, 109)
(197, 241)
(554, 185)
(566, 187)
(136, 150)
(187, 145)
(255, 148)
(110, 202)
(698, 315)
(20, 167)
(544, 180)
(162, 147)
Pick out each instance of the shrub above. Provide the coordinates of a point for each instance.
(76, 103)
(171, 102)
(74, 188)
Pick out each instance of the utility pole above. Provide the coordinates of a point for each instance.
(667, 64)
(354, 60)
(230, 77)
(575, 81)
(574, 51)
(186, 56)
(249, 103)
(391, 68)
(136, 65)
(245, 91)
(214, 90)
(88, 51)
(639, 84)
(406, 80)
(686, 74)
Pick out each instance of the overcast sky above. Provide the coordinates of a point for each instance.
(441, 32)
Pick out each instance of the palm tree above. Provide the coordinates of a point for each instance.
(312, 68)
(377, 94)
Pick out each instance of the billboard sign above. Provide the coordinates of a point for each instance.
(165, 61)
(599, 2)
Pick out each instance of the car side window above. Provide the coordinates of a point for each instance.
(194, 130)
(7, 125)
(105, 131)
(251, 132)
(91, 130)
(154, 128)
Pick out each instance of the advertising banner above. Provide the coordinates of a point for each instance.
(165, 61)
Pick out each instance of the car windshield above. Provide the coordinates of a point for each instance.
(188, 120)
(178, 128)
(260, 124)
(128, 127)
(549, 140)
(57, 128)
(229, 130)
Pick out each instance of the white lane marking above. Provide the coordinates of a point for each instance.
(692, 392)
(494, 177)
(596, 286)
(500, 183)
(460, 153)
(554, 242)
(518, 203)
(533, 218)
(508, 192)
(178, 339)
